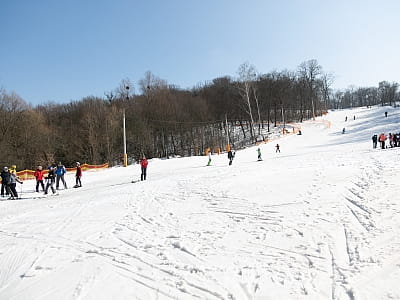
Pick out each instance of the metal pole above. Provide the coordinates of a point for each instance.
(125, 155)
(123, 112)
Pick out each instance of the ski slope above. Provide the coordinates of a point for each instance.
(320, 220)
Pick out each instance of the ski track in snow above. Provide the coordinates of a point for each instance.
(317, 221)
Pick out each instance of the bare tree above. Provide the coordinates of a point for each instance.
(247, 75)
(309, 71)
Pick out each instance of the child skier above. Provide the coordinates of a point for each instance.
(13, 182)
(78, 175)
(39, 173)
(51, 177)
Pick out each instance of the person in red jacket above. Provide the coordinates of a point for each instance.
(78, 175)
(39, 174)
(143, 164)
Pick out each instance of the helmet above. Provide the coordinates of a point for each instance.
(78, 163)
(13, 167)
(5, 169)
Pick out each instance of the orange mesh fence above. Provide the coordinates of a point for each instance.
(28, 174)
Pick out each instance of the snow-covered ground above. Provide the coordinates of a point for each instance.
(320, 220)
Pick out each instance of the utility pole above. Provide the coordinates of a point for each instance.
(124, 129)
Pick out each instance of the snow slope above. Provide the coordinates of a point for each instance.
(320, 220)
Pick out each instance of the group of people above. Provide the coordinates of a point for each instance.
(394, 140)
(55, 174)
(231, 155)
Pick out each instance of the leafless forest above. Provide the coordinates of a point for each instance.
(163, 120)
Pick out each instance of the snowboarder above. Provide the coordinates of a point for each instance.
(230, 156)
(39, 174)
(78, 175)
(60, 171)
(5, 180)
(277, 148)
(374, 141)
(143, 164)
(259, 154)
(13, 183)
(51, 177)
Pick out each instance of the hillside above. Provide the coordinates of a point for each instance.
(319, 220)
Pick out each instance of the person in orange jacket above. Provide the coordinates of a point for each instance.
(382, 139)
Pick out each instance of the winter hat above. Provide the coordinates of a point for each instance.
(78, 163)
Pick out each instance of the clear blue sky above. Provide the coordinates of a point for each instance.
(62, 50)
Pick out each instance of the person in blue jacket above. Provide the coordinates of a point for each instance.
(60, 171)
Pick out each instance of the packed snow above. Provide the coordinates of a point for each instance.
(319, 220)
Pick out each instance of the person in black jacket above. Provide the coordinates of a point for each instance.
(51, 177)
(231, 155)
(374, 141)
(5, 180)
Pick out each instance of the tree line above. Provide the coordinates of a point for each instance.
(163, 120)
(385, 94)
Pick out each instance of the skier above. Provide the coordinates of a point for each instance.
(343, 130)
(51, 176)
(259, 154)
(5, 180)
(386, 114)
(345, 119)
(230, 156)
(382, 139)
(78, 175)
(39, 173)
(277, 148)
(374, 141)
(60, 171)
(391, 140)
(143, 164)
(209, 158)
(13, 183)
